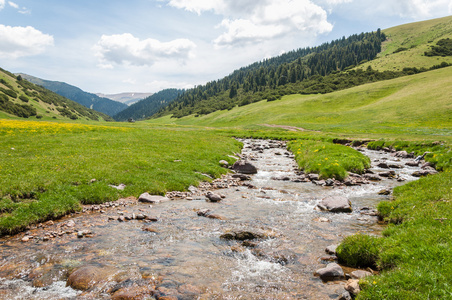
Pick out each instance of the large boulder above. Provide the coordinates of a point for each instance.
(335, 204)
(241, 235)
(148, 198)
(331, 272)
(244, 167)
(86, 277)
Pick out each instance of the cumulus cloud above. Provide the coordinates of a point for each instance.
(22, 41)
(250, 21)
(418, 8)
(13, 5)
(127, 49)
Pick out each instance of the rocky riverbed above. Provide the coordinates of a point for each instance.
(244, 236)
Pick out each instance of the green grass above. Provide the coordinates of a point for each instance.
(46, 171)
(412, 107)
(328, 159)
(416, 38)
(415, 255)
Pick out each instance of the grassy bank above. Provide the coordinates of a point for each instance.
(327, 159)
(414, 253)
(46, 168)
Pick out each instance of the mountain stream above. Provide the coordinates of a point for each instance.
(180, 254)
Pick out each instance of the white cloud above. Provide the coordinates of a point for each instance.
(13, 5)
(419, 8)
(2, 4)
(158, 85)
(335, 2)
(22, 41)
(127, 49)
(250, 21)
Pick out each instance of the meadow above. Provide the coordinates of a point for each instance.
(48, 169)
(51, 168)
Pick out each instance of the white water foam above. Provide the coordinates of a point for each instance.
(21, 290)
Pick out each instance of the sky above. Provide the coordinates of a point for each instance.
(114, 46)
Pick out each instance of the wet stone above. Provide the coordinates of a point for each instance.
(88, 276)
(335, 204)
(384, 192)
(244, 167)
(241, 236)
(148, 198)
(213, 197)
(331, 272)
(358, 274)
(331, 249)
(352, 287)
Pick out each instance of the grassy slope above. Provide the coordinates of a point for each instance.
(417, 38)
(46, 167)
(416, 106)
(46, 110)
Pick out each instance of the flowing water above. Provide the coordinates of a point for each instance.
(182, 253)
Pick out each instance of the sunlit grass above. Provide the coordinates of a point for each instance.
(47, 169)
(328, 159)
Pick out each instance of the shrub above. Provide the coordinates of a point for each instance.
(24, 98)
(359, 251)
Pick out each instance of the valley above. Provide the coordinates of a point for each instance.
(367, 118)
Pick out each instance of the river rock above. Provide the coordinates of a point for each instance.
(188, 289)
(241, 235)
(133, 292)
(352, 286)
(358, 274)
(313, 176)
(335, 204)
(88, 276)
(244, 167)
(426, 172)
(224, 163)
(412, 163)
(242, 177)
(383, 165)
(147, 198)
(345, 296)
(372, 177)
(213, 197)
(331, 249)
(331, 272)
(401, 154)
(70, 223)
(329, 182)
(384, 192)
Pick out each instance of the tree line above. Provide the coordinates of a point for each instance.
(277, 76)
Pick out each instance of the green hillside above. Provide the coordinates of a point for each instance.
(417, 105)
(406, 44)
(21, 98)
(89, 100)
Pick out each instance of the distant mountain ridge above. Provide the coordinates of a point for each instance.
(147, 107)
(89, 100)
(24, 99)
(126, 98)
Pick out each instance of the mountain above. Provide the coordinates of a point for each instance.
(418, 106)
(347, 62)
(104, 105)
(126, 98)
(272, 78)
(148, 106)
(21, 98)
